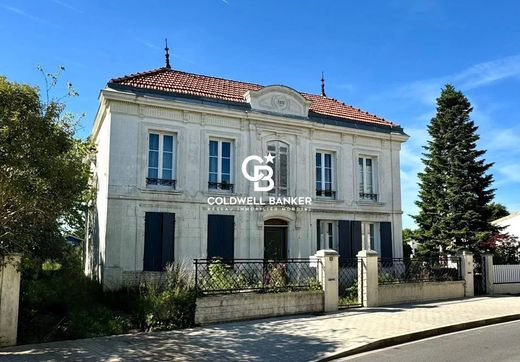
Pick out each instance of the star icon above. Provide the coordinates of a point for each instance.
(269, 158)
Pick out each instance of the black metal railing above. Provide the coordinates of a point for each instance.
(419, 270)
(220, 186)
(326, 193)
(369, 197)
(161, 182)
(215, 276)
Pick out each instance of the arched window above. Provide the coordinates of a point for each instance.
(280, 151)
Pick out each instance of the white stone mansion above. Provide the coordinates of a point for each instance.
(168, 141)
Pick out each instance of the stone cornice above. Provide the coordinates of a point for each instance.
(192, 112)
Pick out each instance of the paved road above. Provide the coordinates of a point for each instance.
(499, 342)
(294, 339)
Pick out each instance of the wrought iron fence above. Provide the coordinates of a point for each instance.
(161, 182)
(348, 283)
(326, 193)
(419, 270)
(215, 276)
(221, 186)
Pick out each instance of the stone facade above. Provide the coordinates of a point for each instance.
(115, 243)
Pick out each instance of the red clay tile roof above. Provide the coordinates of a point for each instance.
(169, 80)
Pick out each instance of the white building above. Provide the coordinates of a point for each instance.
(510, 223)
(169, 140)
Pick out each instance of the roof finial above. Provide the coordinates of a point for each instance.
(167, 55)
(322, 85)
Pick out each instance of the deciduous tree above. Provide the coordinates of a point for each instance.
(43, 173)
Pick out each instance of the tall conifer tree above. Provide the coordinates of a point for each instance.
(455, 188)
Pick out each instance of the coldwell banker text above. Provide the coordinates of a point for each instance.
(259, 201)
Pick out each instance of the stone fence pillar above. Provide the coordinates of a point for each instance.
(328, 261)
(488, 271)
(467, 273)
(9, 299)
(368, 278)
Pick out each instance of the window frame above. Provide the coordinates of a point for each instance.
(322, 182)
(161, 183)
(327, 239)
(370, 230)
(219, 157)
(363, 191)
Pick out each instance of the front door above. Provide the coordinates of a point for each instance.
(275, 242)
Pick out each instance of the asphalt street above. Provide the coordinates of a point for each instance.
(499, 342)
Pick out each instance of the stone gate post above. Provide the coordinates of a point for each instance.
(368, 278)
(328, 261)
(9, 299)
(489, 272)
(467, 273)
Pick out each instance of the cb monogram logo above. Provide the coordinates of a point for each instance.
(258, 172)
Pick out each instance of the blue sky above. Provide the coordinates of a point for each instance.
(388, 57)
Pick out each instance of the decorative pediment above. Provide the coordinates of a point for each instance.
(278, 99)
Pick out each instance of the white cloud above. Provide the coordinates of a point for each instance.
(68, 6)
(511, 173)
(419, 96)
(34, 18)
(148, 44)
(489, 72)
(479, 75)
(502, 139)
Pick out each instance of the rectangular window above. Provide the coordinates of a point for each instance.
(370, 237)
(325, 175)
(161, 160)
(328, 236)
(367, 180)
(159, 234)
(220, 175)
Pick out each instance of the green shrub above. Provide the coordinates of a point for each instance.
(169, 306)
(220, 276)
(314, 284)
(350, 294)
(278, 277)
(170, 309)
(65, 304)
(94, 322)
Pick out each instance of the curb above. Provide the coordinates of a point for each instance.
(415, 336)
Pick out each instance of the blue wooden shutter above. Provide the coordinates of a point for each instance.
(386, 239)
(168, 237)
(318, 232)
(356, 237)
(159, 234)
(221, 236)
(152, 241)
(345, 239)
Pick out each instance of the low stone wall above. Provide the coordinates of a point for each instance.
(131, 279)
(507, 288)
(235, 307)
(419, 292)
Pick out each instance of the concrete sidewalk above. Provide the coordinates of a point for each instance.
(303, 338)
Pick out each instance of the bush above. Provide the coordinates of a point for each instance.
(65, 304)
(168, 306)
(94, 322)
(167, 309)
